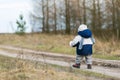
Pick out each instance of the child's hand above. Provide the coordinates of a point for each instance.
(70, 43)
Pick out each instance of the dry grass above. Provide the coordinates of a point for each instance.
(108, 49)
(17, 69)
(60, 44)
(42, 42)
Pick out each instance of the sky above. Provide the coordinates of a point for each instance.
(9, 13)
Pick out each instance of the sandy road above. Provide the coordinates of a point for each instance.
(51, 58)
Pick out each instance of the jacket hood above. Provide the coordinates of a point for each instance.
(85, 33)
(82, 27)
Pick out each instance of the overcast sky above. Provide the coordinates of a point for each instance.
(9, 12)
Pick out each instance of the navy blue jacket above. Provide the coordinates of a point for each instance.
(86, 48)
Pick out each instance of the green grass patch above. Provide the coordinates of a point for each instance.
(107, 56)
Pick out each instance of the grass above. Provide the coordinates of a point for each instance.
(17, 69)
(42, 42)
(104, 48)
(107, 56)
(88, 74)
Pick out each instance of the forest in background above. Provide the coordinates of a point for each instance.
(65, 16)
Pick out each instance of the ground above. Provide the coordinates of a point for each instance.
(48, 58)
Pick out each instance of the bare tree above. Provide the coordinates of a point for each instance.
(47, 17)
(67, 30)
(99, 15)
(43, 19)
(94, 15)
(118, 13)
(79, 12)
(84, 9)
(55, 17)
(113, 15)
(117, 3)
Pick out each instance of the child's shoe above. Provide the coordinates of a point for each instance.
(76, 65)
(89, 66)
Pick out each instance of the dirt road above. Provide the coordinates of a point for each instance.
(112, 68)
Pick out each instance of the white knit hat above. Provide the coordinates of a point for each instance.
(82, 27)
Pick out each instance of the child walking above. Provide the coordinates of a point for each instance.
(83, 43)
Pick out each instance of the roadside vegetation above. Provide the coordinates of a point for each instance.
(18, 69)
(104, 48)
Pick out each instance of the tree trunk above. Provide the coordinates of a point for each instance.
(79, 12)
(113, 15)
(67, 17)
(84, 14)
(55, 18)
(99, 15)
(43, 20)
(47, 18)
(118, 18)
(94, 16)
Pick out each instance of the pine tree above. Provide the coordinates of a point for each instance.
(21, 25)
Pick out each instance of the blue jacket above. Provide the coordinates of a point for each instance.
(83, 42)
